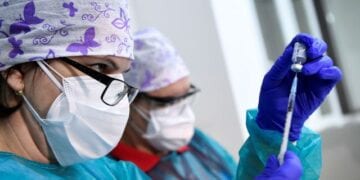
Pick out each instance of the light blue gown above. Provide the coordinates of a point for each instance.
(262, 143)
(204, 159)
(253, 156)
(15, 167)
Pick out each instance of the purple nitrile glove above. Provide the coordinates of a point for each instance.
(291, 169)
(316, 80)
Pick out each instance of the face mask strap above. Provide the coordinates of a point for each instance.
(135, 127)
(45, 67)
(32, 110)
(141, 112)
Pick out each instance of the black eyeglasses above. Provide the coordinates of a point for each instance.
(167, 101)
(115, 89)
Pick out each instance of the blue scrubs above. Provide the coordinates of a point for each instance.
(204, 159)
(15, 167)
(262, 143)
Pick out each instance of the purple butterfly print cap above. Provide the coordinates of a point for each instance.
(157, 63)
(36, 30)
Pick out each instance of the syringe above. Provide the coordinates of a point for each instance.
(298, 58)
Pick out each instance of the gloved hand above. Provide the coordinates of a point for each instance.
(316, 80)
(290, 169)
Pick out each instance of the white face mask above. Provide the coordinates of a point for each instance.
(168, 128)
(79, 126)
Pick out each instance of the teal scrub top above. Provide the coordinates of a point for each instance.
(15, 167)
(203, 159)
(262, 143)
(253, 156)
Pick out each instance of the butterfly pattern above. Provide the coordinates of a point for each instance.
(52, 31)
(23, 25)
(28, 34)
(85, 44)
(99, 10)
(16, 47)
(72, 9)
(123, 43)
(123, 21)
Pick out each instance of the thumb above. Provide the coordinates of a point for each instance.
(271, 166)
(292, 165)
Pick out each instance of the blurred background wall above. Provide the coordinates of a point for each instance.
(229, 45)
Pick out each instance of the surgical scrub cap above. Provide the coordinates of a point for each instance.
(157, 64)
(32, 30)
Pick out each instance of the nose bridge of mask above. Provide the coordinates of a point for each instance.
(84, 83)
(170, 111)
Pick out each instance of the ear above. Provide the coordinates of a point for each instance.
(15, 80)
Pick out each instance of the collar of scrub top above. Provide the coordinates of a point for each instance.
(143, 160)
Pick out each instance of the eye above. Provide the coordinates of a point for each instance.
(99, 67)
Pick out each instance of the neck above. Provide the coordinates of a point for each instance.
(16, 137)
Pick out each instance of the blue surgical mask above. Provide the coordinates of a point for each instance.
(79, 126)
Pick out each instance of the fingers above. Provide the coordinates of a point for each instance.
(291, 165)
(315, 66)
(332, 73)
(315, 47)
(271, 167)
(323, 68)
(272, 163)
(328, 77)
(291, 157)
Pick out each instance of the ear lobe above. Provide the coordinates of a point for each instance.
(15, 80)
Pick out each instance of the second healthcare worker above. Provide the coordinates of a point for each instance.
(161, 138)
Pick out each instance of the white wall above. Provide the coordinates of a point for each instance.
(191, 27)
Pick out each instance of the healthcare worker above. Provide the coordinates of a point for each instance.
(161, 137)
(63, 102)
(162, 140)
